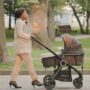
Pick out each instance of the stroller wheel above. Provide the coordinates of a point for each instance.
(49, 83)
(78, 83)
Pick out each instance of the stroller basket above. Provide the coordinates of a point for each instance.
(52, 61)
(49, 61)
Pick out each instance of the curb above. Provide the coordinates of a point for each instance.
(40, 72)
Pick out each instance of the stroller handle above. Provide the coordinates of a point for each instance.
(46, 47)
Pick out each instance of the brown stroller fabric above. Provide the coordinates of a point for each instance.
(73, 51)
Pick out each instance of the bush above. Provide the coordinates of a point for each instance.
(9, 34)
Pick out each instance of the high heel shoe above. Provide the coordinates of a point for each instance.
(13, 83)
(37, 83)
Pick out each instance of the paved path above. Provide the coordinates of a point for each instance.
(25, 82)
(77, 36)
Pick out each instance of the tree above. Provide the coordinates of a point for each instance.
(73, 6)
(53, 7)
(39, 21)
(81, 7)
(85, 8)
(3, 49)
(8, 6)
(87, 15)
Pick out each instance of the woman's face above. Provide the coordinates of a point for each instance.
(24, 15)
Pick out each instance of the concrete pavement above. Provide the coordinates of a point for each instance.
(77, 37)
(25, 82)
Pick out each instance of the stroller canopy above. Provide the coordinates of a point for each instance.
(72, 45)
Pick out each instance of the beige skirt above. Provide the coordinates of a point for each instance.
(22, 46)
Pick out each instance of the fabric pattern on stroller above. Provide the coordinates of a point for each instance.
(72, 53)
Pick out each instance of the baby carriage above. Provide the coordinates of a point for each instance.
(63, 63)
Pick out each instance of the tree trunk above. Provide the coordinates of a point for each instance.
(74, 11)
(87, 22)
(15, 6)
(10, 11)
(3, 50)
(39, 23)
(9, 20)
(51, 25)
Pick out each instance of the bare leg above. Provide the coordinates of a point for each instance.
(16, 68)
(28, 59)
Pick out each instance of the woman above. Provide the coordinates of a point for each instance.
(22, 45)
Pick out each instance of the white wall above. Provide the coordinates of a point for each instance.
(67, 18)
(6, 19)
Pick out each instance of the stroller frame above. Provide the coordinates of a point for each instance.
(49, 80)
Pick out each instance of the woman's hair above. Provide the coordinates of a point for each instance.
(19, 12)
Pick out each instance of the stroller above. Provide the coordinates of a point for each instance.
(71, 55)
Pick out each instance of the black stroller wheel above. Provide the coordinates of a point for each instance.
(78, 83)
(49, 83)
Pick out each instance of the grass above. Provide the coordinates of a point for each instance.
(9, 35)
(37, 55)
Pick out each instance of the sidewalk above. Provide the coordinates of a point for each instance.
(25, 82)
(77, 36)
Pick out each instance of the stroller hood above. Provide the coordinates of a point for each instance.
(72, 45)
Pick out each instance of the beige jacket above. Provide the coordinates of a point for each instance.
(22, 34)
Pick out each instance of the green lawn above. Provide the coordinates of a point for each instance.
(86, 45)
(38, 53)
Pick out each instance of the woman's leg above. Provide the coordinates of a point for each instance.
(28, 59)
(16, 68)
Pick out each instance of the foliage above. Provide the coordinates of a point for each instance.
(81, 7)
(9, 34)
(11, 5)
(56, 5)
